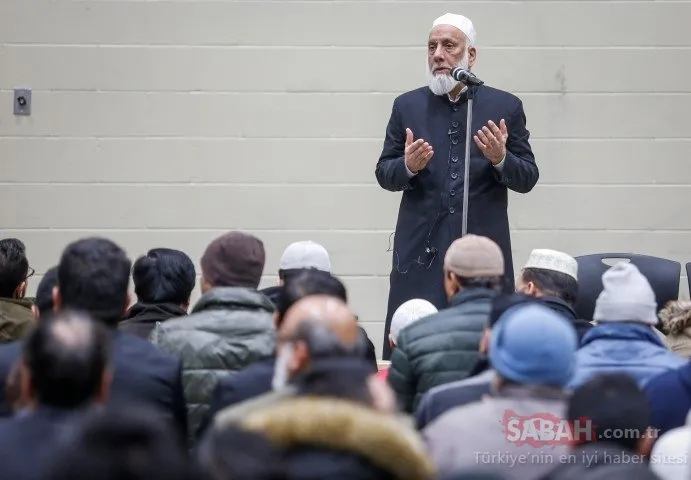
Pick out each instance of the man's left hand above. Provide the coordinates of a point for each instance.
(491, 140)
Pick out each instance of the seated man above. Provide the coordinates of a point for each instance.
(553, 277)
(16, 319)
(163, 282)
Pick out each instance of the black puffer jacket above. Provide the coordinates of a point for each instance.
(440, 348)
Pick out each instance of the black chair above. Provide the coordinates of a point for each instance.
(688, 276)
(663, 275)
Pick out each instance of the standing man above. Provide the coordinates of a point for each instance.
(423, 156)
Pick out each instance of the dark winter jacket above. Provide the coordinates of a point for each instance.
(228, 329)
(440, 348)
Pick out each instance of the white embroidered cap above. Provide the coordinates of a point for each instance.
(464, 24)
(305, 254)
(553, 260)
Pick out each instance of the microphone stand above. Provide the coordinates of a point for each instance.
(466, 165)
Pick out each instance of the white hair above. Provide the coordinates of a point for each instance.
(443, 83)
(408, 313)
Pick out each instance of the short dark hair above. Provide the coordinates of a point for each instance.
(44, 291)
(232, 452)
(93, 276)
(163, 275)
(14, 266)
(492, 283)
(308, 282)
(131, 443)
(556, 284)
(614, 403)
(66, 356)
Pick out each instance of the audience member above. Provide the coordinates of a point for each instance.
(532, 351)
(316, 328)
(624, 339)
(163, 282)
(256, 379)
(10, 352)
(121, 444)
(443, 347)
(228, 329)
(65, 369)
(478, 384)
(297, 257)
(93, 276)
(553, 277)
(406, 314)
(16, 319)
(609, 418)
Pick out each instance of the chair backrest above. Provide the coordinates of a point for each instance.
(688, 276)
(663, 275)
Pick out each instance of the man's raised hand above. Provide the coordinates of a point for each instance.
(417, 153)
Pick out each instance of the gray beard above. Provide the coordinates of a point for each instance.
(443, 84)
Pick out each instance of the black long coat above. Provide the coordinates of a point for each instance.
(430, 213)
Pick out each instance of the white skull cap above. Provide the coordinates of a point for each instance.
(464, 24)
(553, 260)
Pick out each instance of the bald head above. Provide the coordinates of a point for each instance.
(324, 310)
(315, 327)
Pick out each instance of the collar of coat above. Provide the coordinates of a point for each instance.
(472, 294)
(331, 423)
(228, 298)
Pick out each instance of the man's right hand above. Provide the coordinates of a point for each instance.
(417, 153)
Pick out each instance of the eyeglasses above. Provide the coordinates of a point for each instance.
(30, 274)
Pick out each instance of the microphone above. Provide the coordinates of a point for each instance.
(465, 77)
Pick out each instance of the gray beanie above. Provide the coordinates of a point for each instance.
(626, 297)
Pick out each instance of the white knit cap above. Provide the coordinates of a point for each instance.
(464, 24)
(553, 260)
(409, 312)
(627, 296)
(305, 254)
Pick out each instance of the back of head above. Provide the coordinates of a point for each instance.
(615, 407)
(475, 262)
(235, 259)
(163, 275)
(305, 283)
(44, 291)
(65, 359)
(14, 266)
(93, 276)
(408, 313)
(551, 273)
(626, 297)
(303, 255)
(126, 444)
(532, 345)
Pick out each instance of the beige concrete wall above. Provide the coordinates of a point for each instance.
(163, 123)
